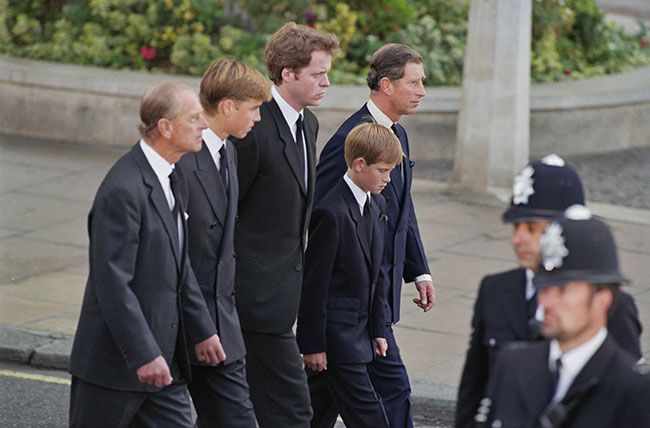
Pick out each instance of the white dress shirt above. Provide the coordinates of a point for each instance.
(572, 361)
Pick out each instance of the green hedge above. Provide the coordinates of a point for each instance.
(570, 37)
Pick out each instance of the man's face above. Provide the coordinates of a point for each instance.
(186, 128)
(374, 178)
(573, 312)
(405, 93)
(243, 117)
(525, 242)
(307, 87)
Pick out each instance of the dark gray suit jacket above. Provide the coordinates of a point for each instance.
(211, 227)
(274, 211)
(141, 289)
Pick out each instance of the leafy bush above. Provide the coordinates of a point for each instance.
(571, 38)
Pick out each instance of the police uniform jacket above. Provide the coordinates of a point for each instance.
(608, 392)
(501, 316)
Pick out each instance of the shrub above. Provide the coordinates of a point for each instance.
(571, 38)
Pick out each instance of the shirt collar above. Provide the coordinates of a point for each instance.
(378, 115)
(358, 194)
(574, 360)
(159, 164)
(290, 115)
(213, 141)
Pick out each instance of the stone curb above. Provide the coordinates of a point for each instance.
(35, 349)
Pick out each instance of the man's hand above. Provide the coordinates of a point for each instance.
(316, 362)
(427, 295)
(381, 346)
(155, 372)
(210, 350)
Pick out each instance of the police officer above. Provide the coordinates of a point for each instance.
(506, 307)
(581, 377)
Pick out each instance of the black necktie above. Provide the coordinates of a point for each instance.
(398, 167)
(554, 378)
(173, 181)
(223, 168)
(367, 217)
(301, 148)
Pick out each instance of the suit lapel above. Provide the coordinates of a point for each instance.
(377, 232)
(357, 218)
(290, 148)
(159, 201)
(310, 146)
(211, 183)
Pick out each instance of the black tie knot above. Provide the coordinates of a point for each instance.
(394, 128)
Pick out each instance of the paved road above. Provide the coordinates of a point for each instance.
(33, 398)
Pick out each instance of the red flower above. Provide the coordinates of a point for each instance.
(568, 71)
(643, 41)
(148, 53)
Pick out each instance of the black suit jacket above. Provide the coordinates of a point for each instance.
(608, 392)
(405, 257)
(212, 208)
(274, 210)
(501, 317)
(141, 291)
(342, 307)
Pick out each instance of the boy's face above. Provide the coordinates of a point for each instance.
(373, 178)
(242, 117)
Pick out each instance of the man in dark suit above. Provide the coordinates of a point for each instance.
(581, 378)
(142, 305)
(342, 308)
(276, 180)
(396, 81)
(506, 308)
(231, 94)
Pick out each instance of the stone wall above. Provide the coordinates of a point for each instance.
(96, 106)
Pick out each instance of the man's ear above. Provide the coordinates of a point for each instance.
(165, 127)
(226, 106)
(288, 74)
(605, 298)
(386, 85)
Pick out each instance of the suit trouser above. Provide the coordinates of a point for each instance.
(277, 380)
(391, 381)
(345, 388)
(220, 395)
(95, 406)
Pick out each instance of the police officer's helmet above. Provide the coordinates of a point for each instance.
(544, 189)
(577, 247)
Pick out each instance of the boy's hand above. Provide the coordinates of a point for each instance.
(316, 362)
(381, 346)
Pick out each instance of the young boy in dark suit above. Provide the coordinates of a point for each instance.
(341, 321)
(231, 95)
